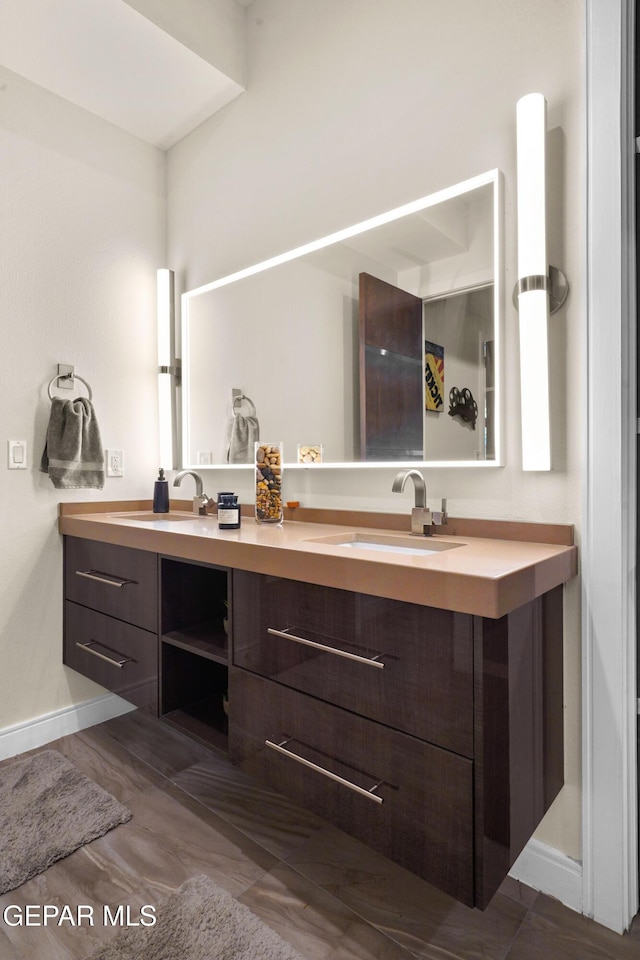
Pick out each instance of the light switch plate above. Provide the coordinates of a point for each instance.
(17, 454)
(115, 463)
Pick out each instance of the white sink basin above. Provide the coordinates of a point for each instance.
(415, 546)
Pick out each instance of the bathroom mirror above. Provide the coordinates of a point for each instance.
(380, 344)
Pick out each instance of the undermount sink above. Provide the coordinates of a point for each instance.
(415, 546)
(150, 517)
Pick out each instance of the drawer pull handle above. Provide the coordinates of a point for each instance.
(104, 578)
(116, 663)
(369, 661)
(280, 748)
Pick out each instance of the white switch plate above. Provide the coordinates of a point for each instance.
(115, 463)
(205, 457)
(17, 454)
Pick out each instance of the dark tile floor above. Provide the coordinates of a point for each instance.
(328, 895)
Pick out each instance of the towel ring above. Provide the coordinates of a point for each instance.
(61, 376)
(244, 399)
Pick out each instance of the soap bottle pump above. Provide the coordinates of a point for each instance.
(161, 494)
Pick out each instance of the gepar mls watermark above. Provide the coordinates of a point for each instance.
(81, 915)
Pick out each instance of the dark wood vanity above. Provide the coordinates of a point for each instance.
(440, 746)
(151, 629)
(111, 618)
(433, 735)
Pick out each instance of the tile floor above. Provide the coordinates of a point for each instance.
(328, 895)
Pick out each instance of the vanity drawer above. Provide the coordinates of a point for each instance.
(404, 665)
(407, 799)
(122, 658)
(116, 580)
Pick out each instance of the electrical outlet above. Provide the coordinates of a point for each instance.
(115, 463)
(205, 457)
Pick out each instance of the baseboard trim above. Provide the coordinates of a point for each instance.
(551, 872)
(60, 723)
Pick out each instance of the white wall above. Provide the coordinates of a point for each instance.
(353, 108)
(82, 233)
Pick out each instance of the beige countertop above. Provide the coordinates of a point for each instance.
(484, 575)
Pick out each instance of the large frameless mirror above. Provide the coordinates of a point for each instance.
(378, 345)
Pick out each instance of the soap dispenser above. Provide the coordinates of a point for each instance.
(161, 494)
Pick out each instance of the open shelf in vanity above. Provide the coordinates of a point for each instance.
(194, 648)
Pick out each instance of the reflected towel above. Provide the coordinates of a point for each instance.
(244, 432)
(73, 455)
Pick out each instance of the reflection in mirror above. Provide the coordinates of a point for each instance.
(380, 343)
(403, 344)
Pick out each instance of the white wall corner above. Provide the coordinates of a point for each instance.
(545, 869)
(60, 723)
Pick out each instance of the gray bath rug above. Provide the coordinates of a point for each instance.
(48, 809)
(200, 921)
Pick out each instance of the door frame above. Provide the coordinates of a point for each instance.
(609, 489)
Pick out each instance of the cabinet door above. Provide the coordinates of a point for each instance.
(122, 658)
(407, 666)
(116, 580)
(405, 798)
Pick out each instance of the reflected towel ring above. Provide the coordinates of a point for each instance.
(62, 376)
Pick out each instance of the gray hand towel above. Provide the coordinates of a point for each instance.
(245, 431)
(73, 455)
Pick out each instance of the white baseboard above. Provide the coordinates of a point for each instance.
(551, 872)
(60, 723)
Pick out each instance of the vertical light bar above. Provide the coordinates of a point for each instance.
(165, 313)
(533, 298)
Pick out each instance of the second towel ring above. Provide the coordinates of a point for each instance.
(243, 399)
(61, 376)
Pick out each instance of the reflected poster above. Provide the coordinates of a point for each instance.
(433, 376)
